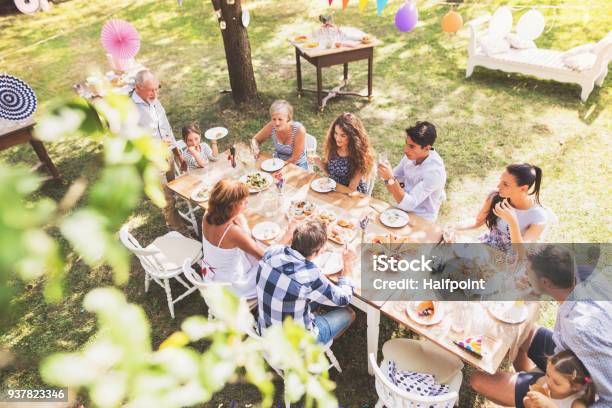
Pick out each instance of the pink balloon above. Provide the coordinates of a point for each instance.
(407, 17)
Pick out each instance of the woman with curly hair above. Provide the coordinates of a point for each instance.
(348, 157)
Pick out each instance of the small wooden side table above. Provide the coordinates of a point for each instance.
(330, 57)
(14, 133)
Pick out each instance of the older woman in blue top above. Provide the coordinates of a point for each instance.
(288, 136)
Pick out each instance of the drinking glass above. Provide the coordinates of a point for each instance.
(311, 153)
(459, 316)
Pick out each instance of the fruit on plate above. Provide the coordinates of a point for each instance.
(300, 38)
(426, 309)
(312, 45)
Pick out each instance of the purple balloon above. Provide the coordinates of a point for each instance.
(406, 17)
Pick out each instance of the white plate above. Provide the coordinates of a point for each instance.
(323, 185)
(215, 133)
(266, 176)
(394, 218)
(329, 262)
(272, 165)
(509, 313)
(436, 318)
(195, 194)
(266, 231)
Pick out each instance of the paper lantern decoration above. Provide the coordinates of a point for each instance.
(362, 4)
(380, 6)
(531, 25)
(245, 18)
(180, 2)
(501, 22)
(17, 99)
(407, 17)
(452, 22)
(344, 4)
(120, 39)
(27, 6)
(330, 2)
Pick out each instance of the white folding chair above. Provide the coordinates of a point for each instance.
(190, 214)
(163, 259)
(202, 284)
(416, 356)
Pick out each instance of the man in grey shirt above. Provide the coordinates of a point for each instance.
(153, 118)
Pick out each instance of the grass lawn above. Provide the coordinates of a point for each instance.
(483, 123)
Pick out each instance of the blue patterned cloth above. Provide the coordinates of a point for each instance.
(285, 151)
(339, 171)
(421, 384)
(289, 285)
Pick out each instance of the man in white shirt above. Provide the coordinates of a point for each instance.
(153, 118)
(417, 183)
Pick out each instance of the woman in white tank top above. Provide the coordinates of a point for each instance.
(513, 212)
(230, 253)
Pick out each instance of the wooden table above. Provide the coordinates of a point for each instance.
(330, 57)
(15, 133)
(506, 337)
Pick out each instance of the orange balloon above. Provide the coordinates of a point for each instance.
(452, 22)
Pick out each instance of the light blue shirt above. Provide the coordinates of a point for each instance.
(153, 118)
(585, 327)
(423, 184)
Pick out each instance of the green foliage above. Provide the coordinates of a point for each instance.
(119, 368)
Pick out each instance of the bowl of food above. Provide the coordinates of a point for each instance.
(312, 45)
(257, 181)
(301, 209)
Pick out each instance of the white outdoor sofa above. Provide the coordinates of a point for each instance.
(542, 63)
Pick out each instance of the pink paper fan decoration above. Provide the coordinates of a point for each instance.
(120, 39)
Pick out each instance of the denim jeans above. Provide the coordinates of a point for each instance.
(332, 323)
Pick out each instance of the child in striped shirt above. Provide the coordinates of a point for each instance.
(198, 153)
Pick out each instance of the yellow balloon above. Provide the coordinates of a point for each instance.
(452, 22)
(362, 4)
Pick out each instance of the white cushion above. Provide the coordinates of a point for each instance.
(500, 23)
(580, 62)
(492, 44)
(174, 248)
(517, 42)
(581, 49)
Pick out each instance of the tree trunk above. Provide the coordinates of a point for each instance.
(237, 50)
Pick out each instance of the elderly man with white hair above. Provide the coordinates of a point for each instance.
(153, 118)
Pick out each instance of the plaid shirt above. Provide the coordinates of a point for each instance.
(585, 327)
(287, 284)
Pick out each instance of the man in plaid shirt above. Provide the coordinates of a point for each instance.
(288, 283)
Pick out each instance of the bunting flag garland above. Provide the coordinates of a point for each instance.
(344, 4)
(330, 2)
(380, 5)
(362, 5)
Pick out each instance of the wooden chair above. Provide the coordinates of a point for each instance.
(162, 260)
